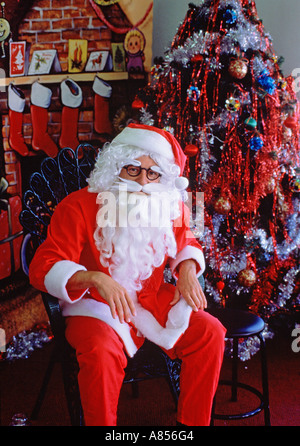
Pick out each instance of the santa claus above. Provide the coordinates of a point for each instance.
(104, 258)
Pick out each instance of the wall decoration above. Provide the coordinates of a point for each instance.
(118, 55)
(99, 61)
(4, 30)
(139, 14)
(44, 62)
(106, 2)
(17, 58)
(134, 45)
(77, 55)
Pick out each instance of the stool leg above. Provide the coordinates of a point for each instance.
(234, 369)
(265, 383)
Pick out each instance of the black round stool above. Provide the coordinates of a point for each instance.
(242, 324)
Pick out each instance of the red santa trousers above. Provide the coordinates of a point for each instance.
(101, 357)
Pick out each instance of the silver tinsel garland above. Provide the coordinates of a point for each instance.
(23, 344)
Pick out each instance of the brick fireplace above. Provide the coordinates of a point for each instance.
(49, 24)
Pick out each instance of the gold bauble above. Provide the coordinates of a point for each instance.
(247, 277)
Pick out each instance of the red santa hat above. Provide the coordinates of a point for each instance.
(155, 140)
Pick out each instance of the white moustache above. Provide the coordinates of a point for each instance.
(133, 186)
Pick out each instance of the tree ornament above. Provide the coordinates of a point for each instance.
(191, 150)
(295, 181)
(282, 84)
(266, 82)
(256, 143)
(270, 186)
(230, 16)
(222, 205)
(197, 58)
(291, 122)
(137, 104)
(193, 93)
(220, 285)
(251, 123)
(247, 277)
(238, 67)
(232, 104)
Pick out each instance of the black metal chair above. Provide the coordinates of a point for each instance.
(57, 178)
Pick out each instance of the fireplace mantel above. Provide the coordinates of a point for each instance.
(57, 78)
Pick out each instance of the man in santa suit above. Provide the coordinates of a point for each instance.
(104, 258)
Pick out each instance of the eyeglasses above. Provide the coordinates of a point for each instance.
(134, 171)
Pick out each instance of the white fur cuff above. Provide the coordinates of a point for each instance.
(57, 278)
(40, 95)
(189, 252)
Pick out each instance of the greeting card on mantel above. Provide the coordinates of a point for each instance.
(77, 57)
(44, 62)
(18, 59)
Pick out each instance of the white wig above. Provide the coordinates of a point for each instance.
(113, 157)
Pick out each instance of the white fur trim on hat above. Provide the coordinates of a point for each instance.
(15, 102)
(40, 95)
(102, 88)
(148, 140)
(69, 98)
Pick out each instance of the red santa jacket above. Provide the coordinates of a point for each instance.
(70, 247)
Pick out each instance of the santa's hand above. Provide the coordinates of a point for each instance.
(189, 287)
(119, 301)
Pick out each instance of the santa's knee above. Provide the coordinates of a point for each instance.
(101, 353)
(210, 331)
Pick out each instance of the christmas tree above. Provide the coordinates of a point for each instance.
(220, 91)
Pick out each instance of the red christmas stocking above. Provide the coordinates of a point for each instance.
(102, 92)
(40, 102)
(16, 104)
(71, 97)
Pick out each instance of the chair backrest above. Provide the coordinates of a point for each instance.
(57, 178)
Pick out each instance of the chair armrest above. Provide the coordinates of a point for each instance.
(56, 318)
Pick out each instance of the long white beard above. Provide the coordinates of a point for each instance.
(135, 231)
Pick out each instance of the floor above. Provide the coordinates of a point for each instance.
(21, 379)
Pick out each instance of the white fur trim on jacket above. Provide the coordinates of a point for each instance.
(188, 252)
(40, 95)
(57, 278)
(102, 88)
(15, 102)
(166, 337)
(99, 310)
(69, 99)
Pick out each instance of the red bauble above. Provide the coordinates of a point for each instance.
(197, 58)
(137, 104)
(220, 285)
(191, 150)
(238, 68)
(291, 122)
(222, 205)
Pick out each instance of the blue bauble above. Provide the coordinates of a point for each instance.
(256, 143)
(266, 82)
(230, 16)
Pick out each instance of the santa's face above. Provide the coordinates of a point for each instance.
(143, 171)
